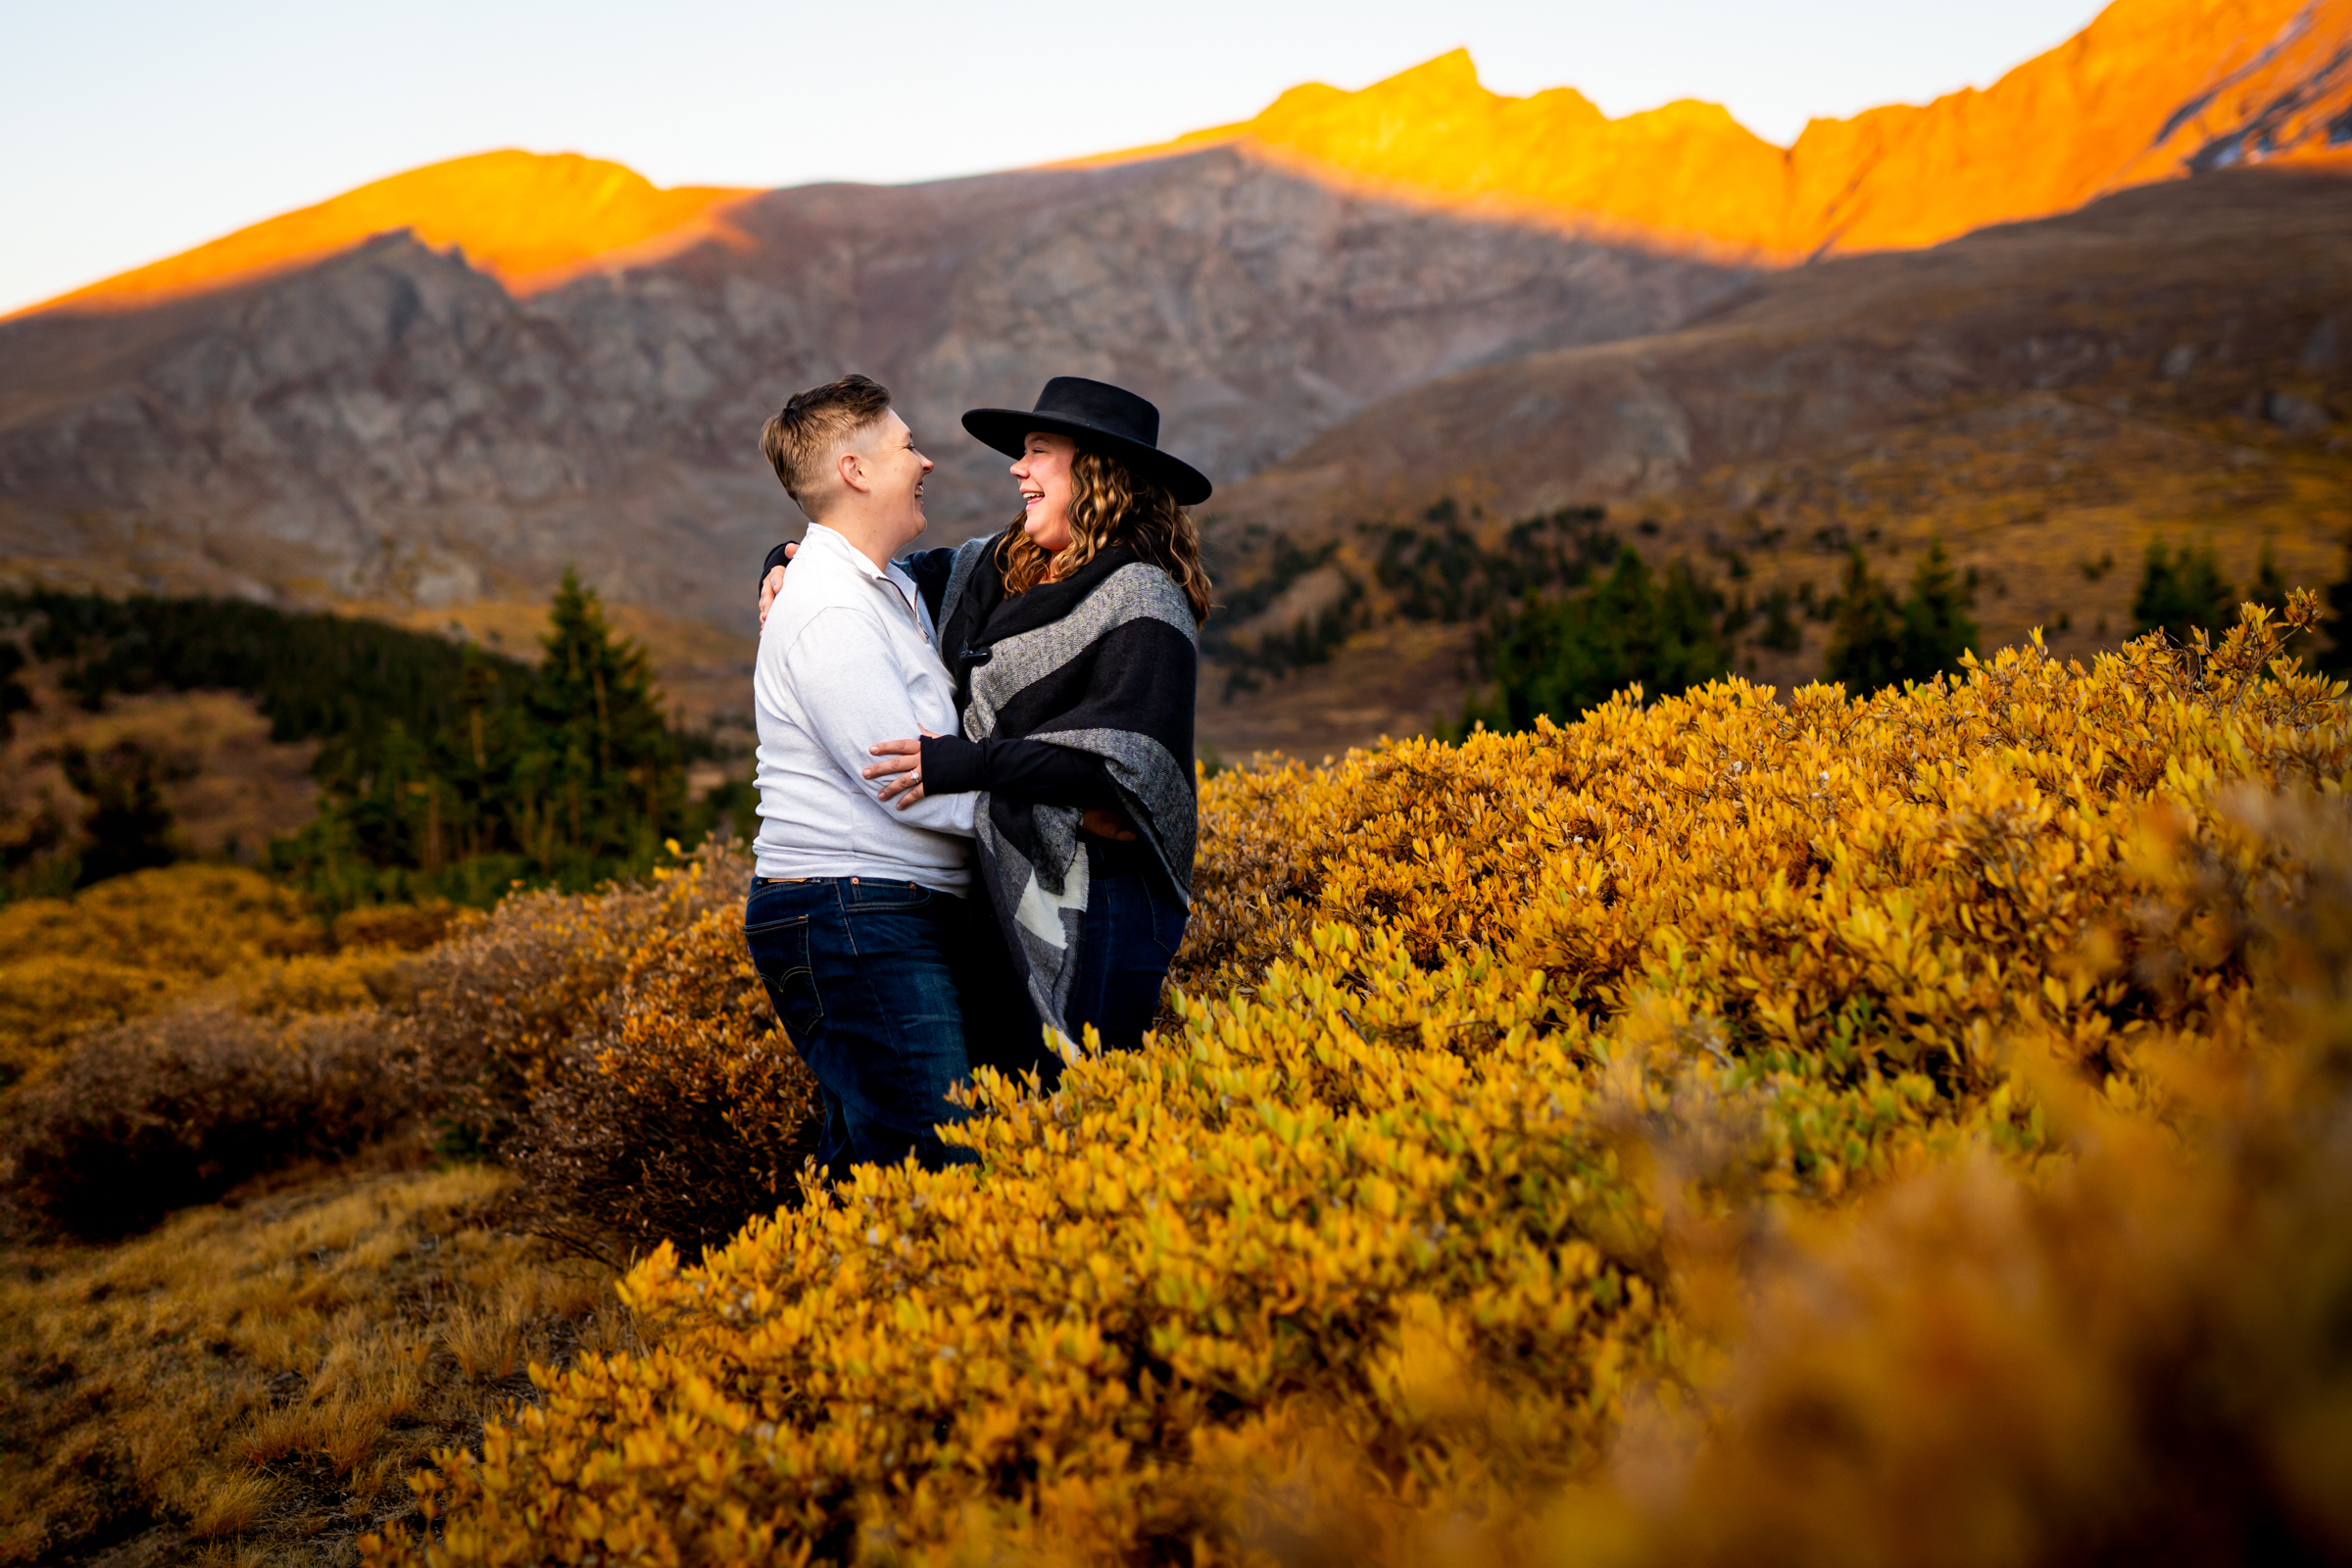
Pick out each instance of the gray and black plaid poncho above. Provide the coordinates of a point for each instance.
(1105, 662)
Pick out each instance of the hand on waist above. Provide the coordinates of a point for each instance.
(1105, 824)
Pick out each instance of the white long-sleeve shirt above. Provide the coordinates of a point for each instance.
(846, 661)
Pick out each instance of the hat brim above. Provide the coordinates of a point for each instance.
(1007, 431)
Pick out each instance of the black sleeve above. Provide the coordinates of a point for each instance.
(928, 567)
(1037, 771)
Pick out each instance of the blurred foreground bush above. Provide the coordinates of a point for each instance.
(1897, 1130)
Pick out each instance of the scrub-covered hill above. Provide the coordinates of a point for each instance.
(1715, 1121)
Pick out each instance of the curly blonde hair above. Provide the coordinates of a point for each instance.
(1111, 504)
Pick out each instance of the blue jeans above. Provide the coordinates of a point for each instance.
(1133, 927)
(863, 974)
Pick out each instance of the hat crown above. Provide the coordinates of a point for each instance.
(1111, 408)
(1101, 417)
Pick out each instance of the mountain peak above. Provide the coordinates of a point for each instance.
(2152, 90)
(529, 219)
(1454, 71)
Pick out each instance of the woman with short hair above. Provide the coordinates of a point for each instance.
(1073, 639)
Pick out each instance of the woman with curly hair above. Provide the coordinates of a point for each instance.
(1073, 639)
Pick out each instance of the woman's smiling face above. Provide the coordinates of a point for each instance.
(1044, 472)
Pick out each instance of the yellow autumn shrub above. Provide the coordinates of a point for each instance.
(1497, 1071)
(2133, 1353)
(130, 945)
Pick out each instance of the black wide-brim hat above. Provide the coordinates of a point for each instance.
(1102, 417)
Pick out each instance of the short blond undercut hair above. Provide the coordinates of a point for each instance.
(813, 426)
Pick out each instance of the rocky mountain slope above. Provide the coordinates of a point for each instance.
(423, 398)
(528, 221)
(2230, 293)
(2047, 399)
(393, 425)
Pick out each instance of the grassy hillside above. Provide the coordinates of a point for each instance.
(1909, 1128)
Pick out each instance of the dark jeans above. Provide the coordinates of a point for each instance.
(1133, 927)
(864, 976)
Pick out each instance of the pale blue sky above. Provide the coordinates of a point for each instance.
(131, 129)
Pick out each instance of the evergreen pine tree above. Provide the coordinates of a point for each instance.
(1563, 657)
(129, 827)
(2181, 593)
(2270, 584)
(2336, 658)
(1866, 642)
(600, 772)
(1684, 646)
(13, 698)
(1936, 626)
(477, 759)
(1780, 631)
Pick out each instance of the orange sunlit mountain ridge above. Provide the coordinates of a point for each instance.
(2152, 90)
(532, 221)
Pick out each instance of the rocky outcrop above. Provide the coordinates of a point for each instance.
(392, 425)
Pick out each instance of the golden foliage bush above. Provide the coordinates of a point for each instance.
(681, 1119)
(2131, 1354)
(312, 983)
(1504, 1072)
(130, 944)
(265, 1052)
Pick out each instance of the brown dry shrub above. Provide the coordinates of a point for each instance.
(688, 1114)
(623, 1030)
(487, 1015)
(173, 1110)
